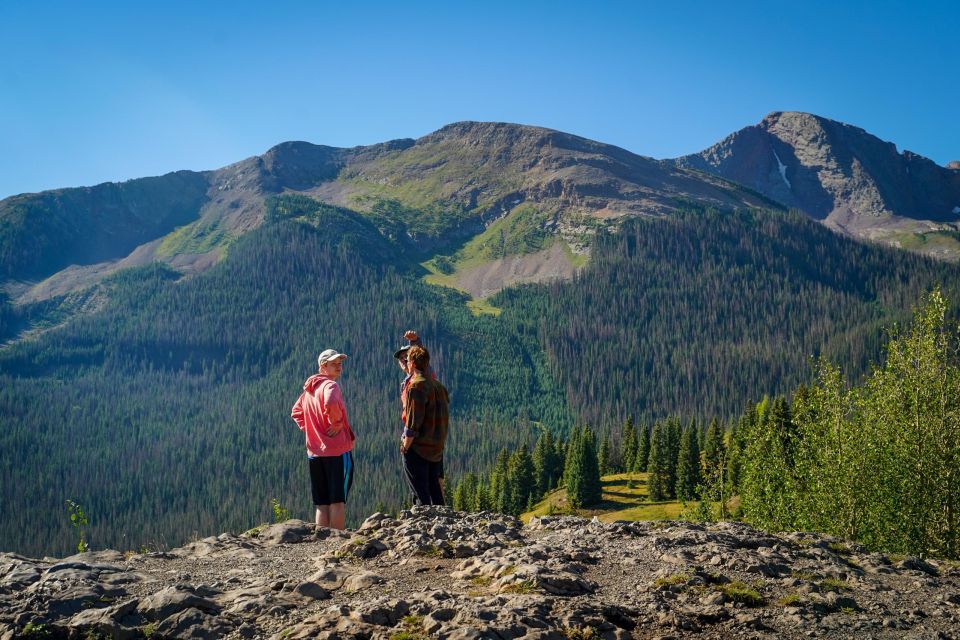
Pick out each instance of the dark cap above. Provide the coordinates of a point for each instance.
(402, 351)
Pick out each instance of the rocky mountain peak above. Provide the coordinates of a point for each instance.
(433, 572)
(838, 173)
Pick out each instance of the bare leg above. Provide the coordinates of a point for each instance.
(323, 516)
(338, 515)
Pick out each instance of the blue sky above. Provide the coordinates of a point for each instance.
(100, 91)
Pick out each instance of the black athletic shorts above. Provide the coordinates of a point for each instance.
(331, 478)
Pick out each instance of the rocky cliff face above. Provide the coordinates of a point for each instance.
(432, 572)
(850, 179)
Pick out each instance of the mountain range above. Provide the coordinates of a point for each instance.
(156, 332)
(455, 183)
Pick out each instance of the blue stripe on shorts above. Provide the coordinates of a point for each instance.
(347, 470)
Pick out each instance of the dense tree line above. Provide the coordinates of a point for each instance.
(687, 464)
(697, 313)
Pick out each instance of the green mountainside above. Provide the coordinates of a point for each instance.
(165, 412)
(435, 194)
(155, 333)
(45, 232)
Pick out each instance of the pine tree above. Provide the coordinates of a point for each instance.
(544, 464)
(483, 501)
(604, 456)
(593, 488)
(688, 464)
(643, 449)
(463, 495)
(628, 445)
(658, 468)
(520, 480)
(559, 461)
(713, 449)
(713, 468)
(573, 469)
(674, 433)
(499, 485)
(583, 471)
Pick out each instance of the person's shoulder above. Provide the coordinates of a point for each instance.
(419, 381)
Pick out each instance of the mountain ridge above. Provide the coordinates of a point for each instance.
(838, 173)
(458, 180)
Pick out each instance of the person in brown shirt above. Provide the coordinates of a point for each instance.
(426, 419)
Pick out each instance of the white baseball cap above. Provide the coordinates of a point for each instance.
(329, 355)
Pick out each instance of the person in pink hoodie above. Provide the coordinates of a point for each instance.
(322, 416)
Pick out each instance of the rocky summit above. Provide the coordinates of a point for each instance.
(435, 573)
(852, 181)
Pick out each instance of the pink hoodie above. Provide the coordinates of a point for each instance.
(311, 412)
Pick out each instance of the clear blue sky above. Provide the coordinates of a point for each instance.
(104, 91)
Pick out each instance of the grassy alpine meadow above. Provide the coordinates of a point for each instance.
(625, 497)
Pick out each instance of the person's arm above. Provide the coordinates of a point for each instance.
(413, 415)
(297, 413)
(332, 403)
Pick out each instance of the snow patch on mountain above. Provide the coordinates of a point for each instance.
(783, 169)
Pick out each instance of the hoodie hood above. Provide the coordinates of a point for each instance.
(314, 381)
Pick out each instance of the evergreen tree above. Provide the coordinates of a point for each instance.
(604, 456)
(688, 464)
(499, 483)
(659, 466)
(643, 449)
(545, 467)
(714, 468)
(573, 470)
(592, 487)
(463, 494)
(483, 501)
(714, 450)
(628, 445)
(520, 480)
(674, 433)
(583, 470)
(559, 461)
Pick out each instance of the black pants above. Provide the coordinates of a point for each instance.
(423, 477)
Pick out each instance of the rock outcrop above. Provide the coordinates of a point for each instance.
(432, 572)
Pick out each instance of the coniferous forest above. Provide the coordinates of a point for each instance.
(876, 462)
(165, 413)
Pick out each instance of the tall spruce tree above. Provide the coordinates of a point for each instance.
(674, 433)
(628, 445)
(604, 456)
(520, 480)
(658, 468)
(499, 485)
(713, 467)
(688, 464)
(545, 467)
(643, 449)
(713, 448)
(582, 470)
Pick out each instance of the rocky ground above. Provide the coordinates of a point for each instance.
(433, 572)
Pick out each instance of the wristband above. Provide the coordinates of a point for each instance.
(409, 434)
